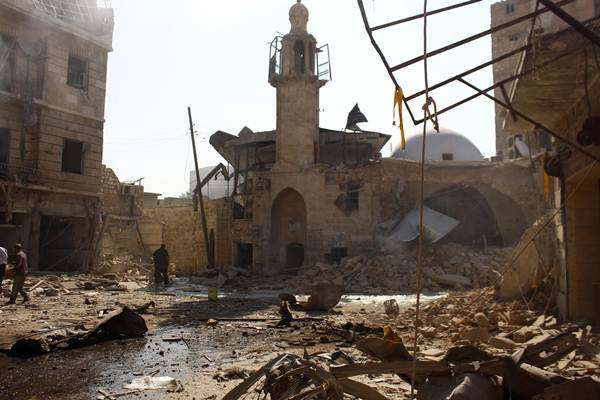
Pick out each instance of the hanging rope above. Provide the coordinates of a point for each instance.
(398, 99)
(426, 113)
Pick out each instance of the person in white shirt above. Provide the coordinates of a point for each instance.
(3, 262)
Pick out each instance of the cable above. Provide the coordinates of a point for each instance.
(421, 206)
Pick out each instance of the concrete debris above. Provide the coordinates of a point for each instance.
(532, 256)
(445, 266)
(122, 323)
(153, 383)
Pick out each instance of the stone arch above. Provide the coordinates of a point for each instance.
(482, 211)
(288, 229)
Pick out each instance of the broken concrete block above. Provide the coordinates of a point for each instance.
(482, 321)
(525, 334)
(501, 342)
(476, 335)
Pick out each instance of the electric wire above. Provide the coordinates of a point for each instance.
(421, 207)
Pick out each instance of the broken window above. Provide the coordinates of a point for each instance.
(4, 145)
(77, 73)
(299, 56)
(7, 61)
(353, 196)
(510, 8)
(72, 157)
(447, 156)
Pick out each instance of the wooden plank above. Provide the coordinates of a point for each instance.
(398, 367)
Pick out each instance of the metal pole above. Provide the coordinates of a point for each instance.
(578, 26)
(412, 18)
(477, 36)
(532, 121)
(209, 257)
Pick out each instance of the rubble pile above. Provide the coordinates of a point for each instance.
(502, 328)
(123, 265)
(445, 266)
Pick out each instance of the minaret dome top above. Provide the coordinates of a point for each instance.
(298, 18)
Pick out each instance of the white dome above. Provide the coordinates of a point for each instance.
(447, 145)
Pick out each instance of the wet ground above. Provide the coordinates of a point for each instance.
(208, 361)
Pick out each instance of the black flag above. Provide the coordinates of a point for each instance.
(354, 117)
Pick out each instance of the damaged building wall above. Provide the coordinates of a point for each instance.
(122, 214)
(344, 207)
(182, 233)
(52, 130)
(578, 227)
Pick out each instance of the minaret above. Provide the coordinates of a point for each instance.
(297, 86)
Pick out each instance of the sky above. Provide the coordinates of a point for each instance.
(213, 56)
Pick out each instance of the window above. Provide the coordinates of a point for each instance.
(353, 196)
(510, 8)
(7, 61)
(77, 73)
(299, 57)
(72, 157)
(447, 156)
(4, 145)
(513, 38)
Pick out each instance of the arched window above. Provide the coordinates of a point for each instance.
(299, 57)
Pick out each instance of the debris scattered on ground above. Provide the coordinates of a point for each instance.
(153, 383)
(120, 324)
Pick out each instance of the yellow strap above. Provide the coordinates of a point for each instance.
(398, 99)
(547, 180)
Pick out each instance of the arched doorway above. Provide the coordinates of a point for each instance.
(482, 212)
(288, 229)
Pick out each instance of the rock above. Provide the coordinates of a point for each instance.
(476, 335)
(129, 286)
(212, 322)
(452, 280)
(524, 334)
(501, 342)
(51, 292)
(482, 321)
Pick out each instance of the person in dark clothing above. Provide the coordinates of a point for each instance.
(21, 270)
(161, 266)
(3, 262)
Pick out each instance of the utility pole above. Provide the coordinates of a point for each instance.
(209, 255)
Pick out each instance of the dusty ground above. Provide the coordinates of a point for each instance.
(245, 338)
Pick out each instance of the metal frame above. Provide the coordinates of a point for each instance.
(549, 6)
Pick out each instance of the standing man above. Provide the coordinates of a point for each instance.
(161, 266)
(3, 262)
(21, 270)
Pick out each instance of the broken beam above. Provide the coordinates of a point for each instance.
(477, 36)
(532, 121)
(398, 367)
(578, 26)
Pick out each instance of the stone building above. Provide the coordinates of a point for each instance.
(512, 143)
(565, 97)
(303, 193)
(53, 62)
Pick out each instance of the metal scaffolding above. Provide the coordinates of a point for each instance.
(542, 7)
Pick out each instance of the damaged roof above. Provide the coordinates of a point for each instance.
(256, 150)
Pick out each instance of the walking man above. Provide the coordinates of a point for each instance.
(3, 262)
(21, 270)
(161, 266)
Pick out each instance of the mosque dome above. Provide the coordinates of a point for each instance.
(299, 17)
(445, 145)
